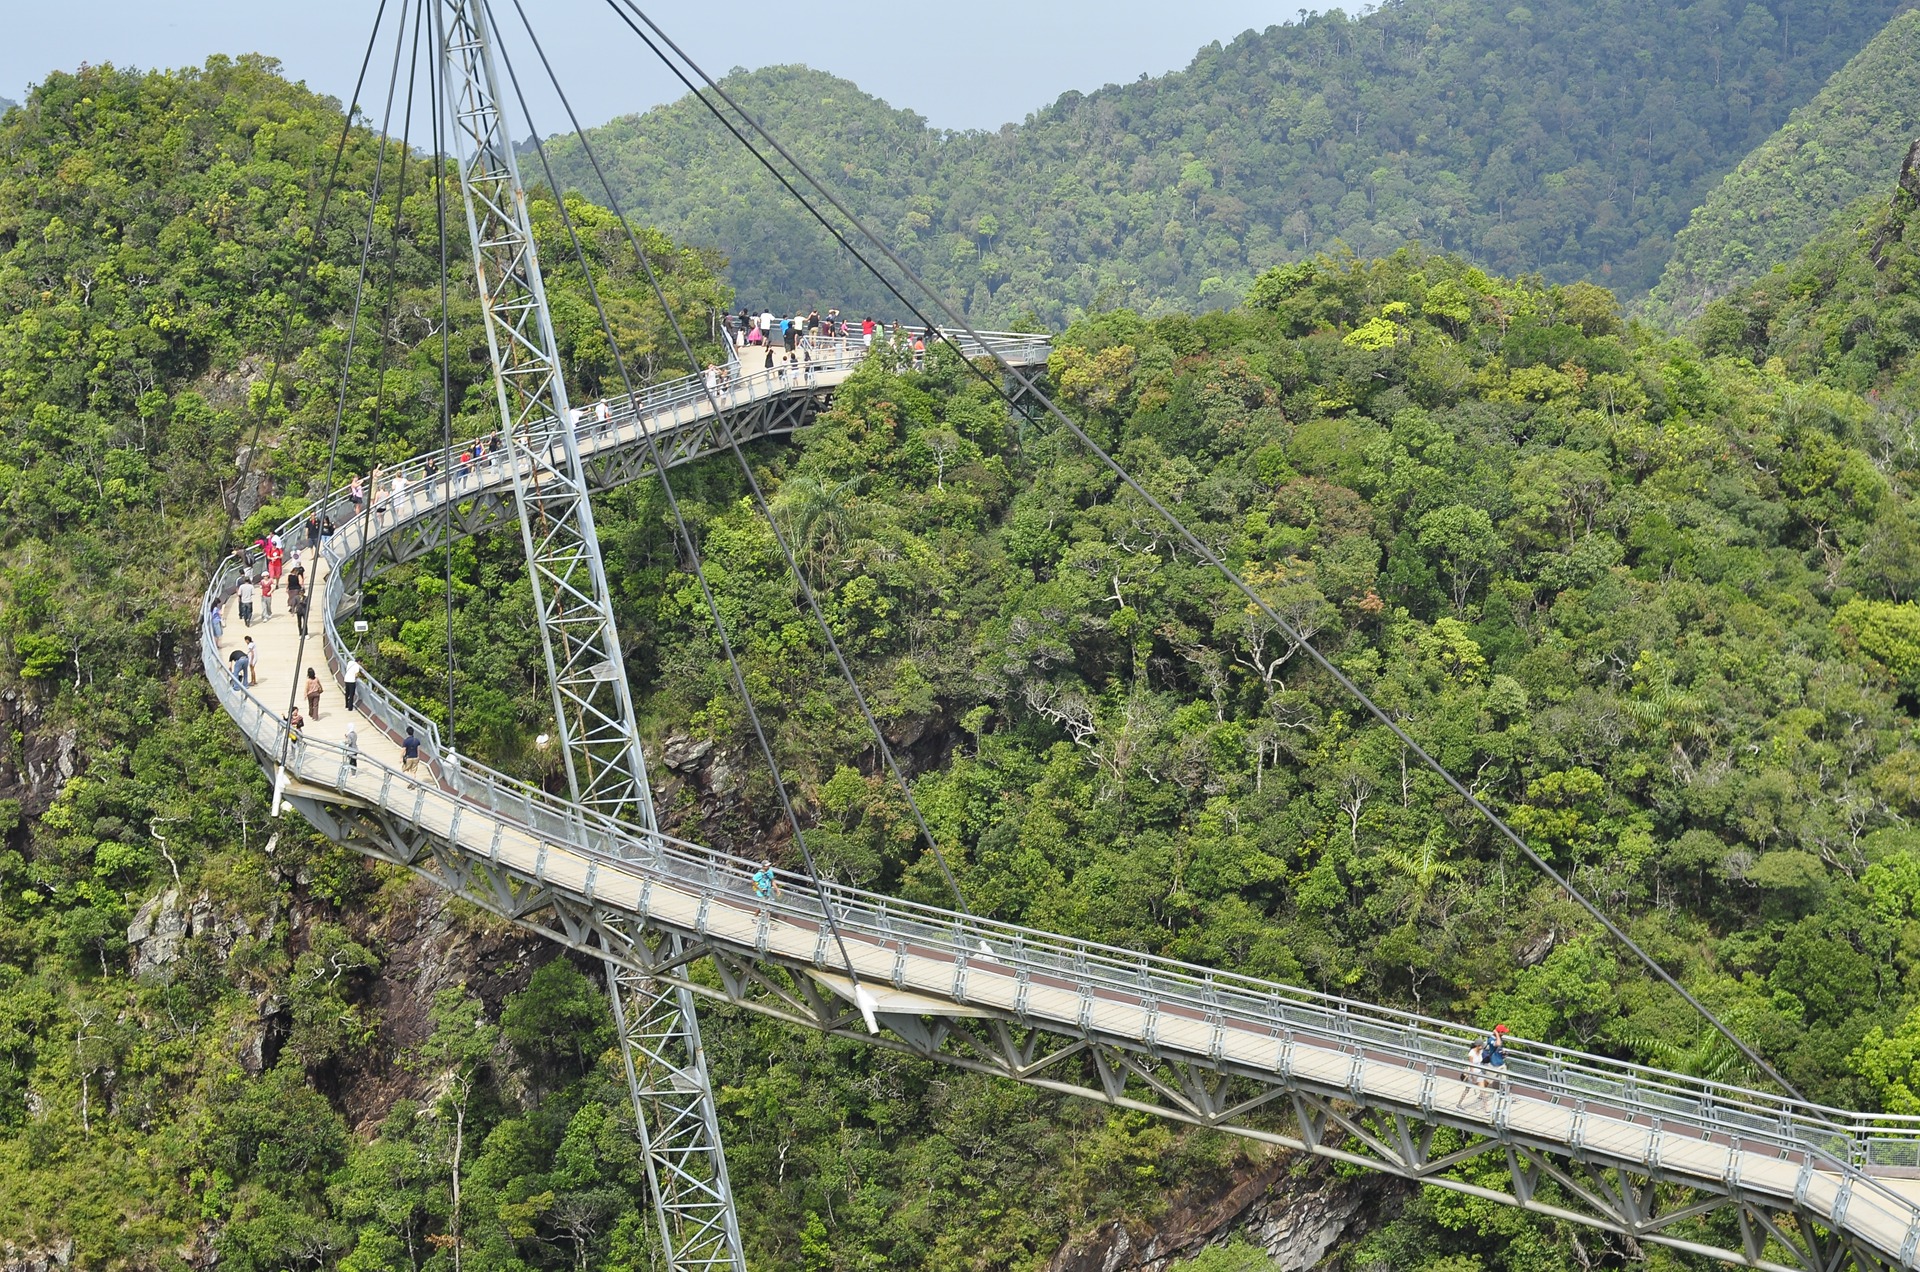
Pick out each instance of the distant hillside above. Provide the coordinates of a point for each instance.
(1563, 137)
(1846, 310)
(1835, 149)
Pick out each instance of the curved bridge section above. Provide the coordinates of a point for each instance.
(1738, 1175)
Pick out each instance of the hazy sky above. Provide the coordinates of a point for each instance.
(976, 65)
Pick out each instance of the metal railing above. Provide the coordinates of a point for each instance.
(1840, 1139)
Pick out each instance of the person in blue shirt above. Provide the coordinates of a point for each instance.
(764, 884)
(1496, 1052)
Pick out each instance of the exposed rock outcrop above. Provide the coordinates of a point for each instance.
(34, 769)
(18, 1259)
(1296, 1215)
(161, 929)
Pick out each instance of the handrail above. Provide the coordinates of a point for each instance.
(1843, 1137)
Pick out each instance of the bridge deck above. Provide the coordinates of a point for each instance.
(516, 848)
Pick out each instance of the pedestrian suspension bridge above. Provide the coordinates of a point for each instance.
(1743, 1176)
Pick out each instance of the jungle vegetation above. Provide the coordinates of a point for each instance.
(1833, 152)
(1654, 596)
(1569, 139)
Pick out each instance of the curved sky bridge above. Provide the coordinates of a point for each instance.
(1743, 1176)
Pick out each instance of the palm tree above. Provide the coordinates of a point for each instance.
(1712, 1058)
(819, 518)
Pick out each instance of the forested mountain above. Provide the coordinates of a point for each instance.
(1846, 311)
(1562, 137)
(1834, 150)
(1658, 599)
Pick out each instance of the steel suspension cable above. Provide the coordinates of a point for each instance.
(686, 536)
(296, 293)
(446, 361)
(1186, 535)
(385, 343)
(353, 324)
(733, 443)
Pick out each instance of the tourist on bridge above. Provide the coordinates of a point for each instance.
(350, 681)
(313, 693)
(299, 603)
(867, 326)
(1475, 1076)
(238, 666)
(266, 597)
(713, 379)
(409, 752)
(216, 621)
(357, 492)
(765, 885)
(1496, 1052)
(313, 535)
(351, 744)
(253, 662)
(243, 597)
(294, 726)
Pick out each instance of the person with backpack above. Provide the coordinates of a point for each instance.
(1496, 1053)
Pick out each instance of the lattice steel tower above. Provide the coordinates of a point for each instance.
(593, 706)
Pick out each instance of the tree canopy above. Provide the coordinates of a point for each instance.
(1572, 139)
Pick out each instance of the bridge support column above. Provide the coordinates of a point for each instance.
(674, 1112)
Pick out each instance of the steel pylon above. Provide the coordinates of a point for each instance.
(673, 1106)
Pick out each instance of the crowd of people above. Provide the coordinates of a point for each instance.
(800, 336)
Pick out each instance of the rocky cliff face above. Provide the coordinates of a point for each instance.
(1292, 1206)
(39, 761)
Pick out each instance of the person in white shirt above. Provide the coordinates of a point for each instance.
(350, 680)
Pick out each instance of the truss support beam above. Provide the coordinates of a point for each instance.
(1636, 1199)
(667, 1077)
(593, 706)
(674, 1112)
